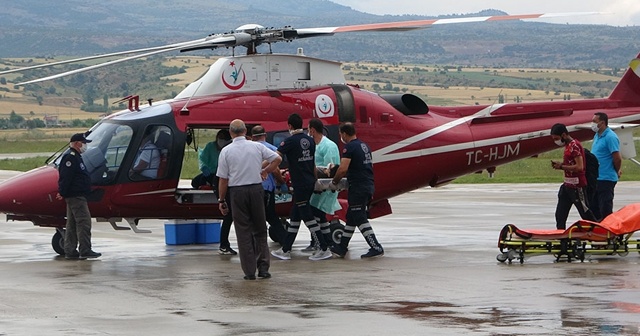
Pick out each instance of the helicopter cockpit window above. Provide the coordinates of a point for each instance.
(105, 152)
(153, 154)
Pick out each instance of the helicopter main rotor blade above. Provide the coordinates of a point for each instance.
(421, 24)
(202, 43)
(88, 58)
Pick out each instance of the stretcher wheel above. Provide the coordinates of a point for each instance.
(502, 257)
(623, 253)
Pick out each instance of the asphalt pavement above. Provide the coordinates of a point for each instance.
(439, 276)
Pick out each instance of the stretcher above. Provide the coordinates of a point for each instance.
(611, 236)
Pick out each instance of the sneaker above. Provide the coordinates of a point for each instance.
(321, 255)
(338, 251)
(73, 256)
(227, 251)
(90, 254)
(310, 248)
(373, 253)
(264, 275)
(280, 254)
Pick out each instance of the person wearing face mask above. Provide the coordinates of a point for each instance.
(300, 150)
(573, 190)
(606, 147)
(74, 184)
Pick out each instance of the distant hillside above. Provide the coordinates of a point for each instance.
(82, 27)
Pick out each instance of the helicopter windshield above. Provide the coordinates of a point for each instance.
(105, 152)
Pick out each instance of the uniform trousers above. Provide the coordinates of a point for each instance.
(247, 205)
(78, 229)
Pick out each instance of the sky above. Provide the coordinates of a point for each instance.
(614, 12)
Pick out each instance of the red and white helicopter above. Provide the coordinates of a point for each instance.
(414, 145)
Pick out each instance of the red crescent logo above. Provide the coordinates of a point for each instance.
(241, 76)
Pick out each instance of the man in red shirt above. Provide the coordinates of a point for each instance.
(573, 190)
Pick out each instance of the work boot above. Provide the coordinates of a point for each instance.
(373, 253)
(373, 243)
(90, 254)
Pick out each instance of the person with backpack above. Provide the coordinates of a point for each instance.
(573, 190)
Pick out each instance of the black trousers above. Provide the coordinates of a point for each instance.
(603, 205)
(568, 197)
(272, 218)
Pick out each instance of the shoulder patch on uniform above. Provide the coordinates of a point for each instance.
(68, 164)
(72, 153)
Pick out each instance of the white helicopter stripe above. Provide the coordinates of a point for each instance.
(172, 190)
(382, 155)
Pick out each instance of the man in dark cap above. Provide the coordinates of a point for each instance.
(74, 184)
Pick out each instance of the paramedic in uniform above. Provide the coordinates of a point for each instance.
(357, 165)
(74, 184)
(300, 150)
(240, 170)
(573, 190)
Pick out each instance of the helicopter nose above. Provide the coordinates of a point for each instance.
(32, 192)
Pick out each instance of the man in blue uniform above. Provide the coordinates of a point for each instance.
(74, 184)
(299, 150)
(357, 165)
(606, 147)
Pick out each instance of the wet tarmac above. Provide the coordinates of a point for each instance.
(439, 276)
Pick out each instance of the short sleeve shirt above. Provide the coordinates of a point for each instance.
(300, 151)
(603, 147)
(571, 151)
(360, 172)
(241, 162)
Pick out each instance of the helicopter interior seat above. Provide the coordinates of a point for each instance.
(163, 142)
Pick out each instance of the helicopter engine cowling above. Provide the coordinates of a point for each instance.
(407, 104)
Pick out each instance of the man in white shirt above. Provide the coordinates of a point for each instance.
(240, 169)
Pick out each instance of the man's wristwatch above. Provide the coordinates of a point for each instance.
(222, 200)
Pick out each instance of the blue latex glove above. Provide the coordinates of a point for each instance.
(283, 188)
(206, 171)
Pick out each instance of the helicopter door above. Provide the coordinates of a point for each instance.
(153, 155)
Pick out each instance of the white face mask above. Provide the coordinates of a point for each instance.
(342, 140)
(559, 142)
(594, 127)
(83, 148)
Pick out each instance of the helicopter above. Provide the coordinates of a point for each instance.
(413, 145)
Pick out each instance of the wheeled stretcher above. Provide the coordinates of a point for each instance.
(610, 237)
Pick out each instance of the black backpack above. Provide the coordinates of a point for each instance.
(591, 172)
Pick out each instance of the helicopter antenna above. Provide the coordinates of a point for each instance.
(185, 110)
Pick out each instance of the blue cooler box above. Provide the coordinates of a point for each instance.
(208, 231)
(180, 232)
